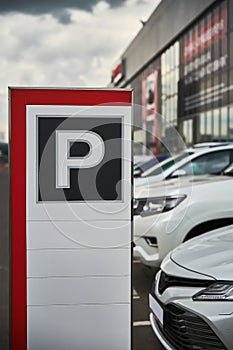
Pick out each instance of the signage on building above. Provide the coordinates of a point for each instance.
(205, 36)
(70, 218)
(150, 108)
(204, 81)
(118, 72)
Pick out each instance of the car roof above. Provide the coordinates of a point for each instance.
(209, 147)
(211, 144)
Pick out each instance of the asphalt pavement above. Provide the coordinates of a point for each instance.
(143, 336)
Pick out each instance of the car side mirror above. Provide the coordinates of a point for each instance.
(178, 173)
(137, 172)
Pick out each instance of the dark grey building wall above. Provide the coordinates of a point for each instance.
(169, 19)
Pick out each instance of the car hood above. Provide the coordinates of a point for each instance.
(209, 254)
(174, 186)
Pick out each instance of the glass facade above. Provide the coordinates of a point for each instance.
(206, 80)
(192, 83)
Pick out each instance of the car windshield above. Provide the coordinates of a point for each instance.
(165, 164)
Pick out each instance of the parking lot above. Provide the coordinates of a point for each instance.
(143, 336)
(142, 276)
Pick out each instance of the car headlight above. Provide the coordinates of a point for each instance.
(216, 292)
(156, 205)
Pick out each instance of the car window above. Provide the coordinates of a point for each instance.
(165, 164)
(210, 163)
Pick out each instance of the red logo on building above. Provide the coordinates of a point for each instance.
(206, 36)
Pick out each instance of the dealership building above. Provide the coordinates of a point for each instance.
(180, 66)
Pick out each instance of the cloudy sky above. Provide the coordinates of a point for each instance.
(64, 42)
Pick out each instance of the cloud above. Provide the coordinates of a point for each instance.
(59, 9)
(42, 51)
(63, 16)
(46, 6)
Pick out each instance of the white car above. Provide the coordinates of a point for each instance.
(168, 214)
(193, 161)
(192, 298)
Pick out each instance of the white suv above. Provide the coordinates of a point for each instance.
(197, 160)
(170, 213)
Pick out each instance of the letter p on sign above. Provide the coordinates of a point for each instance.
(64, 162)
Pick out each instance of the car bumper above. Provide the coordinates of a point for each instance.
(211, 332)
(181, 323)
(158, 333)
(164, 229)
(147, 255)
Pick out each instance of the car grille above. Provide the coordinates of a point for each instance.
(167, 281)
(187, 331)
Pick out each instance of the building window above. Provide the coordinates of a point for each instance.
(224, 124)
(169, 83)
(202, 127)
(209, 126)
(188, 131)
(216, 124)
(231, 122)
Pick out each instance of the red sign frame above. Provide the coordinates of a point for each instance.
(19, 99)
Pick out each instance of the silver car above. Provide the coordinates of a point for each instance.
(191, 303)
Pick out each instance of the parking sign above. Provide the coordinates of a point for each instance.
(71, 223)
